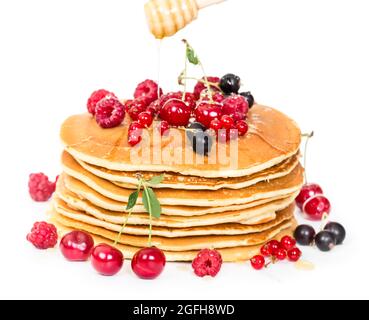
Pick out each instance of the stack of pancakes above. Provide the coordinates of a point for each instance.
(203, 205)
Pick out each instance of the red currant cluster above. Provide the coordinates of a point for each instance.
(312, 202)
(215, 103)
(276, 251)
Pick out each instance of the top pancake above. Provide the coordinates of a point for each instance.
(273, 138)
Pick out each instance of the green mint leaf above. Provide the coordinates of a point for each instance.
(191, 56)
(151, 203)
(132, 200)
(156, 180)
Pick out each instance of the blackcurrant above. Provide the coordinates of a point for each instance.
(304, 235)
(249, 97)
(337, 230)
(325, 241)
(230, 83)
(202, 143)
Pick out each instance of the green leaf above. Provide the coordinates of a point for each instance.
(132, 200)
(156, 180)
(151, 203)
(191, 56)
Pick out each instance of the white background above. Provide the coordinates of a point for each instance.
(306, 58)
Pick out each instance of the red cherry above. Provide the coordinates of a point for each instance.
(107, 260)
(274, 245)
(288, 242)
(265, 250)
(205, 113)
(258, 262)
(216, 125)
(281, 254)
(308, 190)
(242, 128)
(145, 119)
(164, 127)
(294, 254)
(148, 263)
(77, 246)
(316, 207)
(227, 122)
(176, 112)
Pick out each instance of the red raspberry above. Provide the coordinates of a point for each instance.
(154, 108)
(148, 91)
(40, 188)
(96, 97)
(200, 87)
(135, 107)
(109, 113)
(235, 106)
(43, 235)
(190, 99)
(207, 263)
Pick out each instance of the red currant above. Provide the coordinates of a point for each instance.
(258, 262)
(242, 128)
(294, 254)
(107, 260)
(135, 126)
(281, 254)
(308, 190)
(265, 250)
(164, 127)
(77, 246)
(145, 119)
(274, 245)
(227, 122)
(134, 138)
(176, 112)
(148, 263)
(317, 207)
(288, 242)
(206, 112)
(216, 125)
(135, 107)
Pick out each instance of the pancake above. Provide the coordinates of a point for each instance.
(183, 243)
(220, 229)
(100, 235)
(77, 190)
(273, 138)
(261, 213)
(198, 198)
(172, 180)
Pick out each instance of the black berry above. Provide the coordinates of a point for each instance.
(230, 83)
(325, 241)
(249, 97)
(200, 140)
(304, 235)
(337, 230)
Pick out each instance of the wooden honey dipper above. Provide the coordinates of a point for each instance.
(166, 17)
